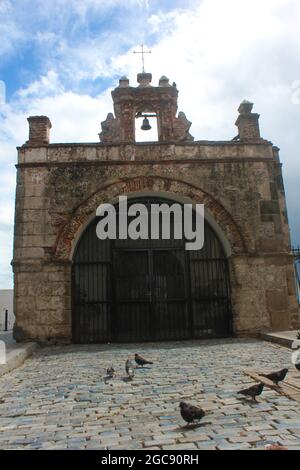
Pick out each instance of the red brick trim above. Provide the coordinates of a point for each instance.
(71, 227)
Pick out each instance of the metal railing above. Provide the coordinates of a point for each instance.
(7, 322)
(296, 253)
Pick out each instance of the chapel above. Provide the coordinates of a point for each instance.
(72, 287)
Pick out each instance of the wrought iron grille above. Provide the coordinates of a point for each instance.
(145, 290)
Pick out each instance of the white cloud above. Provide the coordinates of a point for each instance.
(46, 85)
(6, 237)
(10, 34)
(75, 118)
(86, 7)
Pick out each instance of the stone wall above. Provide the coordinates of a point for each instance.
(59, 187)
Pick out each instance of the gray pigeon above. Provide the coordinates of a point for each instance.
(110, 372)
(190, 413)
(140, 360)
(253, 391)
(276, 377)
(129, 369)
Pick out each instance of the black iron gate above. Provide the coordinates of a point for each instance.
(142, 290)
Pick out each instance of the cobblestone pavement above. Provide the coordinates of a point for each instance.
(59, 400)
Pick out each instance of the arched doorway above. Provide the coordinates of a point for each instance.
(144, 290)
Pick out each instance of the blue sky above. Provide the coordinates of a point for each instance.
(62, 58)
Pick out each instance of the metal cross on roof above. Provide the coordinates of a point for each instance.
(142, 52)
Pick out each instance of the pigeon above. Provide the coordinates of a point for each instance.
(129, 369)
(190, 413)
(253, 391)
(275, 447)
(110, 372)
(297, 365)
(140, 360)
(276, 377)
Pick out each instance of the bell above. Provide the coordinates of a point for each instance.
(145, 126)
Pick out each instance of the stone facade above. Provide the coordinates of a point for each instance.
(59, 187)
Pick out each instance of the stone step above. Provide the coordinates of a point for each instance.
(16, 353)
(284, 338)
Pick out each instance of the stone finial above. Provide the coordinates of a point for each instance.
(39, 130)
(110, 130)
(123, 82)
(181, 128)
(163, 81)
(276, 151)
(144, 79)
(247, 122)
(245, 107)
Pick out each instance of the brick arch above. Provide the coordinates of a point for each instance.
(83, 213)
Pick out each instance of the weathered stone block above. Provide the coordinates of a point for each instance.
(33, 202)
(277, 300)
(269, 245)
(269, 207)
(280, 320)
(34, 155)
(36, 252)
(54, 317)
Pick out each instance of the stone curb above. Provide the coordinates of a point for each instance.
(284, 339)
(17, 356)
